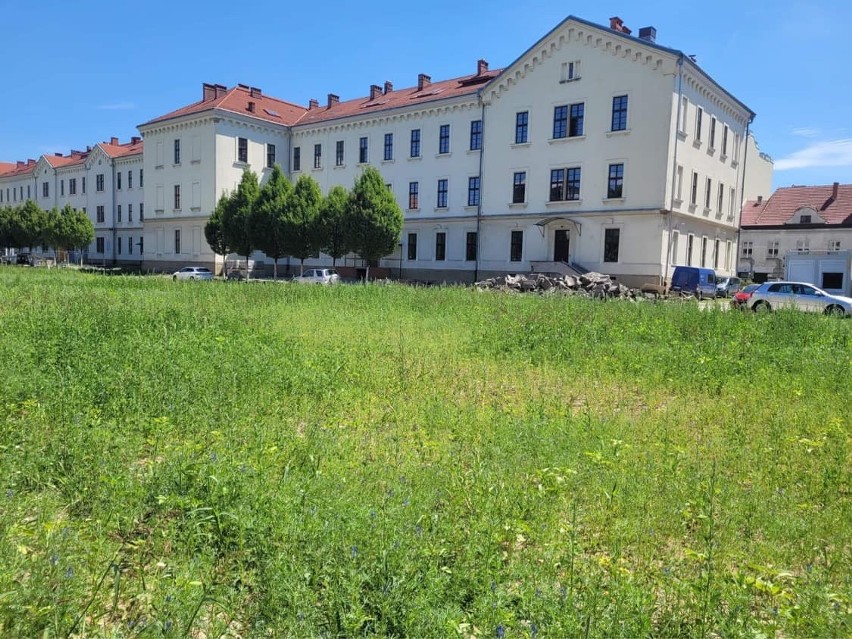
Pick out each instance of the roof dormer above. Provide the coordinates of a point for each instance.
(806, 215)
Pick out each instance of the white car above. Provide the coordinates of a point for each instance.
(800, 295)
(193, 273)
(318, 276)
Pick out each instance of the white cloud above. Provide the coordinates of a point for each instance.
(118, 106)
(806, 132)
(831, 153)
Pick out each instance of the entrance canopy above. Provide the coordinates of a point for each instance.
(543, 222)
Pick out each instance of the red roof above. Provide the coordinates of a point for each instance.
(399, 98)
(237, 100)
(6, 166)
(781, 205)
(19, 168)
(121, 150)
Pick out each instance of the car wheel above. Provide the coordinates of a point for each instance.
(192, 277)
(835, 311)
(761, 307)
(174, 278)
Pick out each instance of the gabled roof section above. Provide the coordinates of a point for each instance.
(5, 167)
(17, 169)
(115, 149)
(392, 98)
(241, 99)
(832, 202)
(58, 160)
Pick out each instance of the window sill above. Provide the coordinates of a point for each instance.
(316, 169)
(391, 161)
(367, 163)
(417, 210)
(516, 145)
(562, 203)
(474, 151)
(297, 170)
(735, 164)
(677, 202)
(196, 162)
(567, 80)
(438, 209)
(723, 157)
(611, 134)
(711, 150)
(339, 166)
(241, 164)
(176, 165)
(158, 166)
(569, 138)
(518, 205)
(697, 144)
(176, 210)
(195, 209)
(415, 158)
(691, 208)
(706, 210)
(471, 207)
(613, 200)
(443, 155)
(681, 135)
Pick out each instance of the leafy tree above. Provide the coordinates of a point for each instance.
(375, 217)
(214, 230)
(299, 221)
(72, 229)
(235, 219)
(266, 223)
(51, 229)
(29, 225)
(332, 224)
(6, 239)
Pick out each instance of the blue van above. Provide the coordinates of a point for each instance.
(700, 282)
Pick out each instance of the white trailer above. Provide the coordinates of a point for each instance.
(829, 270)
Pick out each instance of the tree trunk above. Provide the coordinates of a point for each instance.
(247, 265)
(301, 266)
(367, 274)
(275, 270)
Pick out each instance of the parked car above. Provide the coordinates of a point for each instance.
(800, 295)
(700, 282)
(25, 259)
(193, 273)
(741, 298)
(318, 276)
(727, 286)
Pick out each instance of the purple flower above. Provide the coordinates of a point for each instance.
(501, 631)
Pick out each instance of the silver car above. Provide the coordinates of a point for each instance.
(799, 295)
(727, 286)
(318, 276)
(193, 273)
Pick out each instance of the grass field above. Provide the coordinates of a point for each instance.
(274, 460)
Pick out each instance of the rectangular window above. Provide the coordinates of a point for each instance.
(363, 151)
(177, 197)
(99, 182)
(832, 280)
(693, 191)
(575, 124)
(720, 198)
(119, 246)
(388, 147)
(317, 156)
(99, 214)
(725, 141)
(270, 156)
(834, 245)
(716, 254)
(412, 246)
(699, 115)
(557, 185)
(712, 132)
(619, 113)
(473, 191)
(570, 71)
(338, 153)
(45, 189)
(565, 184)
(675, 238)
(804, 219)
(612, 238)
(560, 121)
(516, 246)
(415, 143)
(177, 151)
(99, 245)
(72, 186)
(141, 212)
(141, 244)
(728, 246)
(615, 185)
(61, 189)
(118, 180)
(690, 243)
(141, 181)
(242, 150)
(679, 186)
(442, 193)
(772, 249)
(703, 252)
(470, 246)
(708, 193)
(177, 241)
(747, 249)
(130, 212)
(440, 246)
(444, 139)
(297, 158)
(731, 201)
(130, 179)
(130, 245)
(414, 195)
(684, 110)
(519, 187)
(118, 212)
(476, 135)
(522, 124)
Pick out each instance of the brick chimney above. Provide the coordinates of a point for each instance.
(616, 24)
(250, 107)
(135, 140)
(19, 164)
(255, 92)
(113, 141)
(481, 66)
(835, 189)
(333, 100)
(209, 91)
(375, 91)
(221, 89)
(423, 81)
(313, 103)
(388, 86)
(648, 33)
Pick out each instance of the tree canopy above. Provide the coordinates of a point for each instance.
(375, 217)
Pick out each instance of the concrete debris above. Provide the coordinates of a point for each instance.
(595, 285)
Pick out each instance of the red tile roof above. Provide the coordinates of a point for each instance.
(6, 166)
(122, 150)
(399, 98)
(781, 205)
(19, 168)
(236, 100)
(58, 161)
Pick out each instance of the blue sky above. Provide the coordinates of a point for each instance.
(76, 73)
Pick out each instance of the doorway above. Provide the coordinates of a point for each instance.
(560, 245)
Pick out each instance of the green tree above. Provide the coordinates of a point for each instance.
(301, 237)
(375, 218)
(235, 221)
(266, 223)
(6, 239)
(29, 225)
(72, 230)
(332, 224)
(51, 229)
(214, 231)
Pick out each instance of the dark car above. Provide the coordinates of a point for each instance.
(25, 259)
(700, 282)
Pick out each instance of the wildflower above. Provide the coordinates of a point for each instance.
(500, 631)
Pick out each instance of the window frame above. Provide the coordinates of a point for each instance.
(270, 155)
(339, 152)
(474, 190)
(615, 183)
(444, 139)
(176, 151)
(414, 149)
(475, 135)
(242, 150)
(412, 247)
(522, 127)
(470, 248)
(413, 196)
(560, 122)
(576, 120)
(619, 113)
(318, 155)
(441, 246)
(443, 197)
(516, 246)
(388, 147)
(522, 184)
(364, 150)
(607, 245)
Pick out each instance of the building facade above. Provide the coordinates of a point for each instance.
(594, 148)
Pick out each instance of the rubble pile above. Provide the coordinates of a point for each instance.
(595, 285)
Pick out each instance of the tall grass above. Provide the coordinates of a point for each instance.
(279, 460)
